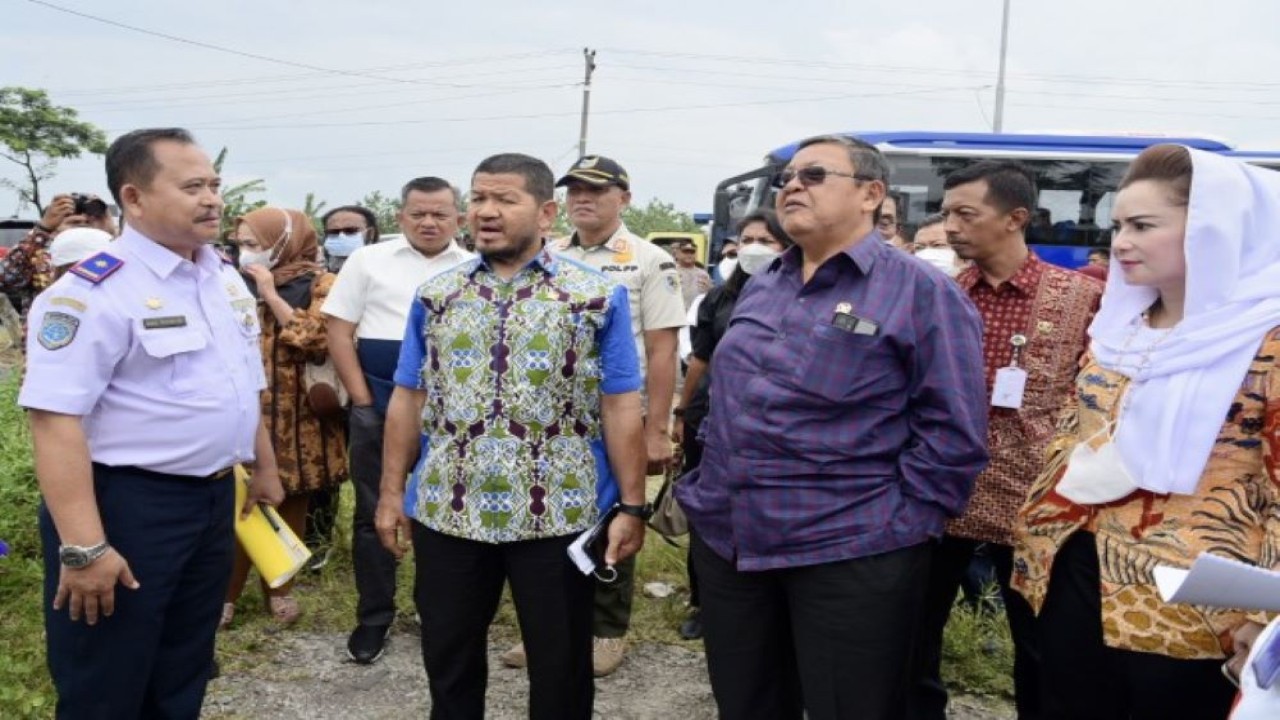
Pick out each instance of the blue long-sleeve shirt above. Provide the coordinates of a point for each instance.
(824, 444)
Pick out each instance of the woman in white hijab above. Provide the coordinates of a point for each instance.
(1171, 449)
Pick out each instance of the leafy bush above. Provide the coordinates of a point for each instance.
(25, 689)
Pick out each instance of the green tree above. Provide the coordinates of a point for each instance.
(238, 199)
(35, 134)
(385, 209)
(314, 210)
(658, 215)
(655, 216)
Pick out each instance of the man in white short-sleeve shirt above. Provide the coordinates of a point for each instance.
(367, 311)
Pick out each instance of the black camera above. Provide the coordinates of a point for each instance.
(89, 205)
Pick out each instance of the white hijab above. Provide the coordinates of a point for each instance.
(1180, 399)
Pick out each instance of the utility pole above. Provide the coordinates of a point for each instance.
(589, 56)
(998, 123)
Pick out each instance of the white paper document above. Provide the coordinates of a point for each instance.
(1220, 582)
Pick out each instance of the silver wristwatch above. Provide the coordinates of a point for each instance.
(76, 556)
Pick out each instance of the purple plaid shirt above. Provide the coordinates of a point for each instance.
(823, 444)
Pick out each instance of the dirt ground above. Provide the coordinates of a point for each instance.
(310, 677)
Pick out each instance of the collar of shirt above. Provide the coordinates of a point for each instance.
(862, 254)
(544, 260)
(161, 260)
(617, 242)
(401, 245)
(1025, 281)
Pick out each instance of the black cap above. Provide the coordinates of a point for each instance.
(597, 170)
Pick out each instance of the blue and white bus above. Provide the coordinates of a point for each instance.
(1077, 176)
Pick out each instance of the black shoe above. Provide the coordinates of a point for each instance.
(691, 628)
(367, 643)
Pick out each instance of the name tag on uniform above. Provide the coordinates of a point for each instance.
(168, 321)
(1011, 383)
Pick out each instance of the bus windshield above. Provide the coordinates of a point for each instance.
(1077, 178)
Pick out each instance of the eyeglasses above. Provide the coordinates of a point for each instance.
(345, 230)
(810, 176)
(887, 222)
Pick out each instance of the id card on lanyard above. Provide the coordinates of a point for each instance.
(1011, 381)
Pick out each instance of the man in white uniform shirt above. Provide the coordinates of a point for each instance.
(367, 311)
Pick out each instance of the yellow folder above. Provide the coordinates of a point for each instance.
(272, 546)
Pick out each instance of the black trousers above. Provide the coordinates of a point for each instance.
(1083, 678)
(457, 587)
(927, 699)
(825, 642)
(692, 459)
(375, 567)
(151, 658)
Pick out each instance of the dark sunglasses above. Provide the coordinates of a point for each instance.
(810, 176)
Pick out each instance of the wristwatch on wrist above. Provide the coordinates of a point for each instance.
(78, 556)
(644, 512)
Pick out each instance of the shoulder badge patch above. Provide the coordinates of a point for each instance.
(97, 268)
(673, 283)
(57, 330)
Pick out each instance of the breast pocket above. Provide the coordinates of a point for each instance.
(255, 366)
(842, 364)
(174, 351)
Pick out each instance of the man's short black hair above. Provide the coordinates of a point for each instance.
(430, 184)
(131, 160)
(1101, 251)
(1010, 185)
(930, 220)
(868, 161)
(538, 179)
(370, 220)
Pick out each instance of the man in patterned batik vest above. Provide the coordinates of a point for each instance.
(1035, 320)
(512, 366)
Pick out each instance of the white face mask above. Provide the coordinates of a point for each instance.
(942, 258)
(726, 267)
(263, 258)
(753, 257)
(1094, 477)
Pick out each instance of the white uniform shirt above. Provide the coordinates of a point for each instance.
(377, 284)
(646, 271)
(159, 357)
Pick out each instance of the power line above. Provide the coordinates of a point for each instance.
(534, 116)
(240, 53)
(257, 80)
(933, 71)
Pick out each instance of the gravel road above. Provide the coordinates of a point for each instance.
(310, 678)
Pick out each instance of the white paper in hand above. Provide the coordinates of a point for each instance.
(1220, 582)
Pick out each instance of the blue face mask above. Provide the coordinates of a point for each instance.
(342, 245)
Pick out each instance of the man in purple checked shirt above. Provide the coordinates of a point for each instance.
(848, 422)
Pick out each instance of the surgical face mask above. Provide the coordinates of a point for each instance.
(726, 267)
(942, 258)
(262, 257)
(1094, 477)
(753, 257)
(343, 244)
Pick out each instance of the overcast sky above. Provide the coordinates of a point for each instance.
(350, 97)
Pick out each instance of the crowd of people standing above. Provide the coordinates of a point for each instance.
(861, 413)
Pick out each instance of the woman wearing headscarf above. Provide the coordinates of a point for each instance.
(1170, 449)
(278, 253)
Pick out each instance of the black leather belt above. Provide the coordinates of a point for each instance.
(135, 470)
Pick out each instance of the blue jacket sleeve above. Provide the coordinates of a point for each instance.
(413, 350)
(619, 365)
